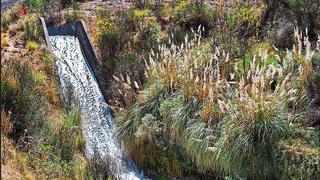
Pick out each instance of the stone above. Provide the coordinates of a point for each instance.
(316, 28)
(284, 34)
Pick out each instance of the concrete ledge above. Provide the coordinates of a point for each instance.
(46, 33)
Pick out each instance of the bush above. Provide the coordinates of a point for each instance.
(98, 168)
(251, 132)
(10, 16)
(166, 12)
(300, 155)
(32, 29)
(144, 3)
(141, 13)
(108, 36)
(39, 77)
(245, 13)
(66, 3)
(193, 15)
(35, 5)
(31, 46)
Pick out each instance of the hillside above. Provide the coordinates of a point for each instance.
(197, 90)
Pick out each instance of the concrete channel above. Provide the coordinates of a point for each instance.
(78, 29)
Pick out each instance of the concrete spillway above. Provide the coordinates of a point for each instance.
(80, 88)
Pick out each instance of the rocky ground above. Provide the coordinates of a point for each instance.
(6, 4)
(89, 7)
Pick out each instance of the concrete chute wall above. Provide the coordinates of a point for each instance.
(79, 29)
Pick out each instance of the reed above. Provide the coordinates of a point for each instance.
(227, 122)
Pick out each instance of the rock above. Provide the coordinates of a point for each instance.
(316, 28)
(284, 35)
(312, 118)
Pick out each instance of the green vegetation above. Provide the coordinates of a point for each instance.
(225, 122)
(40, 139)
(245, 13)
(230, 91)
(9, 17)
(222, 109)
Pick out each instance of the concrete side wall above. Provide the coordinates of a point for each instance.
(78, 29)
(89, 51)
(82, 33)
(46, 34)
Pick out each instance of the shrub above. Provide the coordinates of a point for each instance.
(157, 117)
(10, 16)
(32, 29)
(253, 127)
(39, 77)
(149, 33)
(244, 13)
(71, 16)
(5, 123)
(193, 15)
(108, 36)
(127, 61)
(35, 5)
(18, 26)
(13, 29)
(66, 3)
(31, 46)
(144, 3)
(141, 13)
(58, 146)
(98, 168)
(47, 58)
(300, 155)
(75, 14)
(166, 12)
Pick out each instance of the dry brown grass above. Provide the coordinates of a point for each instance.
(5, 123)
(252, 116)
(14, 163)
(4, 41)
(8, 173)
(32, 165)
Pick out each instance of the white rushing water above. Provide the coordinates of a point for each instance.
(77, 81)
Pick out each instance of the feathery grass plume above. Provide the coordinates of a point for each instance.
(255, 121)
(198, 100)
(258, 117)
(171, 99)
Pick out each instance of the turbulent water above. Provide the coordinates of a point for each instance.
(79, 85)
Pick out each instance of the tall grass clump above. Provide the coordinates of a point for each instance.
(20, 97)
(224, 122)
(70, 136)
(255, 121)
(170, 107)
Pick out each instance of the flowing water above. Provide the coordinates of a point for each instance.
(78, 84)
